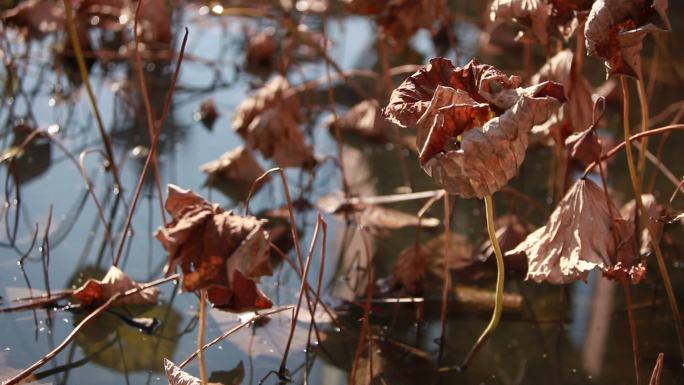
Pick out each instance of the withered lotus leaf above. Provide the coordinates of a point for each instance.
(237, 165)
(542, 19)
(400, 19)
(365, 7)
(36, 16)
(207, 113)
(365, 119)
(472, 122)
(269, 122)
(276, 94)
(533, 14)
(416, 262)
(584, 232)
(96, 292)
(217, 250)
(615, 30)
(261, 48)
(575, 115)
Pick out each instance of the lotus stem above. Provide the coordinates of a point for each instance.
(643, 214)
(643, 103)
(498, 300)
(200, 335)
(446, 281)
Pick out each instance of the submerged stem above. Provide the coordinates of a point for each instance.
(498, 300)
(643, 214)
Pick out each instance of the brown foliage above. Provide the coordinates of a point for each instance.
(269, 122)
(472, 122)
(237, 165)
(97, 292)
(364, 119)
(615, 31)
(542, 19)
(585, 231)
(216, 249)
(37, 17)
(575, 115)
(400, 19)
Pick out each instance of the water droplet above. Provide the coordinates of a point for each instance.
(53, 129)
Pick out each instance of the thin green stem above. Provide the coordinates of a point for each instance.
(498, 301)
(647, 223)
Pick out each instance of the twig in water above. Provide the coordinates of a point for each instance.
(150, 156)
(96, 313)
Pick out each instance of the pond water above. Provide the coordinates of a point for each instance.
(578, 334)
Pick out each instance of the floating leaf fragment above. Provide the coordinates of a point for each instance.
(95, 292)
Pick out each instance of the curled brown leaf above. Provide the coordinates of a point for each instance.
(615, 30)
(364, 119)
(472, 122)
(237, 165)
(216, 249)
(269, 122)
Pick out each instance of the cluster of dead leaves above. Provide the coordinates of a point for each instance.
(216, 250)
(468, 262)
(36, 18)
(269, 122)
(584, 232)
(472, 122)
(541, 19)
(400, 19)
(615, 30)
